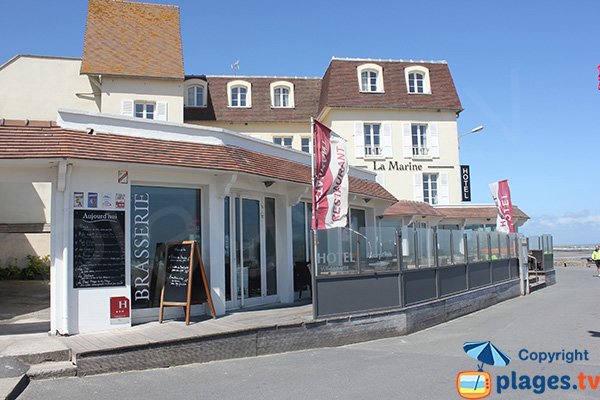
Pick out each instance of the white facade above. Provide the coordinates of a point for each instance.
(34, 87)
(86, 309)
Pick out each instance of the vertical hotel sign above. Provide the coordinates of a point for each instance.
(465, 177)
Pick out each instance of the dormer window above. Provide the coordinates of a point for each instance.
(239, 94)
(370, 78)
(196, 93)
(282, 95)
(417, 80)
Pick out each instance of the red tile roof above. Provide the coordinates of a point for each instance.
(410, 208)
(46, 140)
(340, 87)
(306, 94)
(132, 39)
(419, 208)
(483, 211)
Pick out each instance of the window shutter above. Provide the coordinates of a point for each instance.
(444, 193)
(434, 142)
(418, 186)
(406, 141)
(387, 140)
(161, 111)
(127, 108)
(359, 140)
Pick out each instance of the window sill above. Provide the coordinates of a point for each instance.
(422, 158)
(375, 91)
(375, 157)
(239, 106)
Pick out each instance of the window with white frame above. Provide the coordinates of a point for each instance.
(239, 94)
(370, 78)
(372, 139)
(144, 110)
(305, 143)
(430, 188)
(196, 95)
(417, 80)
(285, 141)
(282, 94)
(420, 146)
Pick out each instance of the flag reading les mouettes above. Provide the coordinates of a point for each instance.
(501, 194)
(330, 191)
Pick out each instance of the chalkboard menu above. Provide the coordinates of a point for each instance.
(98, 248)
(185, 280)
(178, 264)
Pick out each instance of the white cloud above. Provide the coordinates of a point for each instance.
(565, 220)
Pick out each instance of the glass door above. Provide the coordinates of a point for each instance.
(253, 281)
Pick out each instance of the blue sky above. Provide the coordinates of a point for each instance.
(524, 69)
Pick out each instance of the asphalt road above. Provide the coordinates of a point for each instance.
(423, 365)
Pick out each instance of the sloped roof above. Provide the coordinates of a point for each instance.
(24, 139)
(340, 87)
(410, 208)
(479, 211)
(306, 101)
(132, 39)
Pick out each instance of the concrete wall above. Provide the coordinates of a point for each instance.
(115, 90)
(266, 131)
(401, 182)
(35, 87)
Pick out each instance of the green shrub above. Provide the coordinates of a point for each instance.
(37, 268)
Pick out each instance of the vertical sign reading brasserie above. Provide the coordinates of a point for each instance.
(465, 176)
(141, 265)
(98, 248)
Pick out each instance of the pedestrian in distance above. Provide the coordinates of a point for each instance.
(596, 258)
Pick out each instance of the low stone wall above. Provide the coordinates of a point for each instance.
(330, 332)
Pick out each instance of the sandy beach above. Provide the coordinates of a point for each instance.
(572, 258)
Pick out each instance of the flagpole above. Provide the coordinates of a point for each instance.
(313, 222)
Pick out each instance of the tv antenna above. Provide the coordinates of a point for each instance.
(235, 66)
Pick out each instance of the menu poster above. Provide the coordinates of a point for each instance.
(92, 200)
(98, 248)
(78, 199)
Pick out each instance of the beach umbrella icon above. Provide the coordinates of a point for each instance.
(487, 353)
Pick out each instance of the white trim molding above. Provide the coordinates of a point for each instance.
(242, 84)
(285, 85)
(378, 69)
(421, 70)
(191, 83)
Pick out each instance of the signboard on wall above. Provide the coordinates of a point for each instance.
(98, 248)
(119, 310)
(465, 177)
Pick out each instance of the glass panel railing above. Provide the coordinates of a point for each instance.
(337, 252)
(495, 245)
(380, 249)
(444, 247)
(408, 248)
(458, 247)
(425, 249)
(503, 245)
(484, 250)
(473, 252)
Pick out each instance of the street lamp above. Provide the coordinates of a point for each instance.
(474, 130)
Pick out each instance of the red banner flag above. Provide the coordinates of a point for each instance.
(330, 181)
(501, 194)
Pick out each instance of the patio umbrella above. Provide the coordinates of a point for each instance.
(487, 353)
